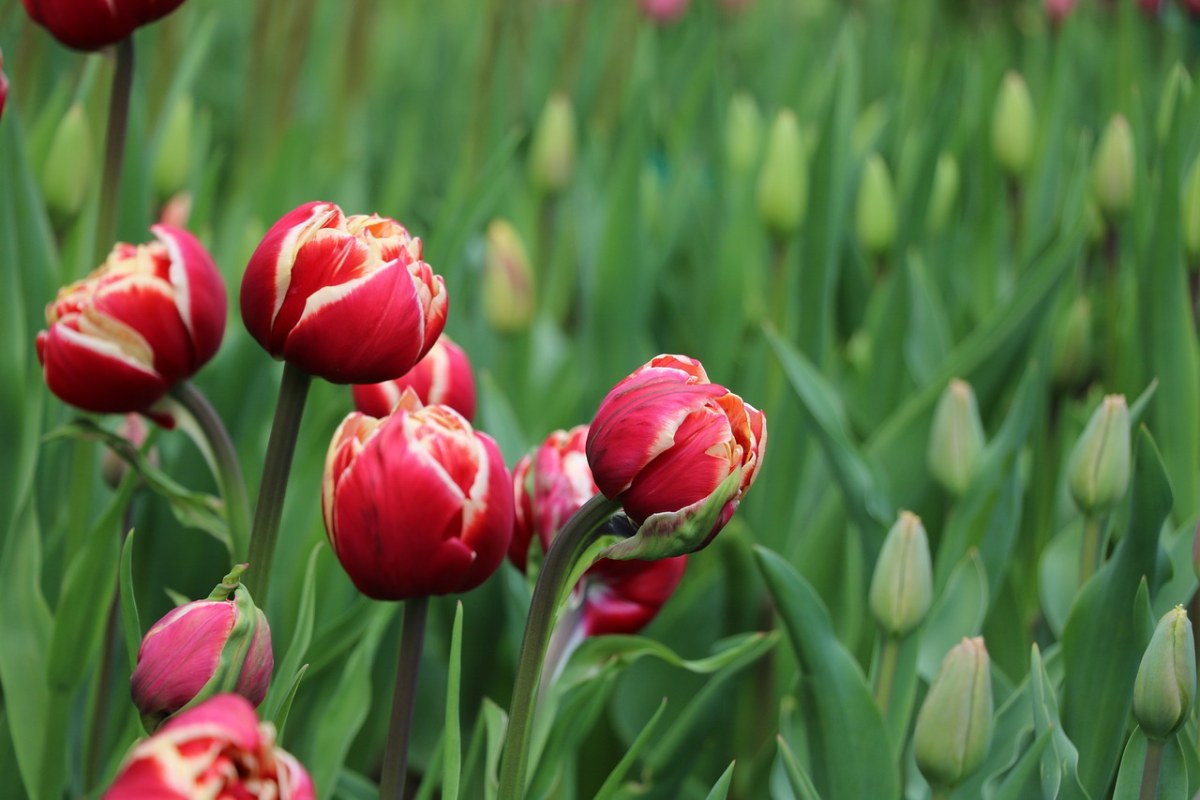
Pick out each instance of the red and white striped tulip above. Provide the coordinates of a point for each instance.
(678, 451)
(149, 317)
(218, 749)
(416, 503)
(92, 24)
(443, 377)
(346, 298)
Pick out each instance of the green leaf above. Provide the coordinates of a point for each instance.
(1058, 575)
(1060, 763)
(958, 612)
(850, 747)
(285, 702)
(1013, 785)
(802, 785)
(298, 647)
(130, 623)
(928, 340)
(354, 786)
(495, 722)
(1172, 771)
(903, 695)
(613, 782)
(720, 789)
(452, 748)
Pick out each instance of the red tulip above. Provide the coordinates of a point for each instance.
(416, 503)
(1192, 7)
(678, 452)
(624, 596)
(443, 376)
(1059, 10)
(150, 317)
(92, 24)
(220, 644)
(218, 749)
(518, 548)
(3, 84)
(344, 298)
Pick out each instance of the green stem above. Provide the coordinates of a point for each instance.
(939, 793)
(580, 531)
(886, 676)
(114, 148)
(1089, 554)
(1150, 768)
(395, 755)
(293, 391)
(226, 469)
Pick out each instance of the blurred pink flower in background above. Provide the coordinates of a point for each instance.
(1059, 10)
(664, 10)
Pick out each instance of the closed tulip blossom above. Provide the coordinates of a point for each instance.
(3, 85)
(443, 376)
(346, 298)
(416, 503)
(218, 749)
(678, 451)
(92, 24)
(148, 318)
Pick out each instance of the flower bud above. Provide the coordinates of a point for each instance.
(1191, 212)
(509, 298)
(92, 24)
(1014, 126)
(1098, 468)
(173, 161)
(1114, 168)
(664, 11)
(3, 84)
(203, 648)
(67, 174)
(1166, 679)
(902, 586)
(954, 727)
(555, 142)
(1073, 344)
(876, 210)
(783, 177)
(743, 133)
(1059, 10)
(1176, 92)
(443, 377)
(956, 439)
(943, 193)
(133, 429)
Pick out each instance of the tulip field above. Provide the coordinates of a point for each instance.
(564, 399)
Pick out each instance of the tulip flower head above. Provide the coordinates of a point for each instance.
(443, 376)
(150, 317)
(416, 503)
(678, 451)
(217, 749)
(92, 24)
(345, 298)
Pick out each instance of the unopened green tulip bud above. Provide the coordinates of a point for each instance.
(552, 152)
(943, 193)
(67, 175)
(1014, 126)
(954, 727)
(1073, 344)
(508, 290)
(1114, 168)
(1098, 469)
(956, 439)
(1177, 89)
(783, 177)
(743, 133)
(876, 211)
(1166, 679)
(902, 585)
(1191, 212)
(173, 161)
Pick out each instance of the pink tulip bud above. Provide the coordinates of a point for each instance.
(1059, 10)
(218, 749)
(345, 298)
(443, 377)
(207, 647)
(664, 11)
(150, 317)
(92, 24)
(622, 597)
(416, 503)
(3, 85)
(678, 451)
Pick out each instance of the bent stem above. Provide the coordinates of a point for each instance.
(114, 147)
(580, 531)
(1150, 768)
(395, 755)
(293, 391)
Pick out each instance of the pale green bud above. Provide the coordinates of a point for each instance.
(1098, 469)
(1178, 88)
(956, 439)
(553, 150)
(1114, 168)
(902, 585)
(783, 177)
(508, 292)
(954, 727)
(1073, 344)
(69, 169)
(876, 210)
(1014, 126)
(1191, 212)
(743, 133)
(1166, 679)
(943, 193)
(173, 161)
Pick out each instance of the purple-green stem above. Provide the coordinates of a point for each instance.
(1150, 769)
(395, 755)
(886, 676)
(114, 149)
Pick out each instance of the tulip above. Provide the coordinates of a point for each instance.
(518, 547)
(1166, 679)
(664, 11)
(956, 440)
(416, 503)
(1114, 168)
(150, 317)
(902, 584)
(345, 298)
(1013, 126)
(69, 167)
(743, 133)
(954, 727)
(1099, 464)
(218, 749)
(1059, 10)
(944, 192)
(443, 377)
(3, 84)
(509, 298)
(552, 152)
(678, 452)
(876, 208)
(783, 177)
(622, 597)
(92, 24)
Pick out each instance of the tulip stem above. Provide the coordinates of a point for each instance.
(114, 148)
(580, 531)
(1089, 554)
(395, 756)
(293, 391)
(225, 466)
(1150, 768)
(886, 676)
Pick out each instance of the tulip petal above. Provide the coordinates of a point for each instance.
(200, 292)
(94, 374)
